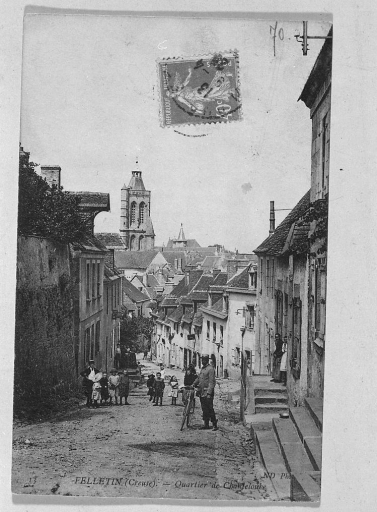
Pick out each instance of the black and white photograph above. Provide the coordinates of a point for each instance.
(171, 293)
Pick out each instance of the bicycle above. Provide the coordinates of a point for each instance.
(189, 406)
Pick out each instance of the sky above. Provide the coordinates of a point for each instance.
(91, 100)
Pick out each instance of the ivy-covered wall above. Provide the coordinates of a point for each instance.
(44, 343)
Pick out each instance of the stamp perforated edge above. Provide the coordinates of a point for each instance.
(234, 53)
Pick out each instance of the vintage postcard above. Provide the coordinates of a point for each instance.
(172, 257)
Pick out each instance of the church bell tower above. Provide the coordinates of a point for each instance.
(136, 228)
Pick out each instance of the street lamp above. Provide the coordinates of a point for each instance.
(303, 39)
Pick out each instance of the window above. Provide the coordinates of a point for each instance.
(214, 331)
(133, 243)
(141, 213)
(221, 335)
(324, 152)
(87, 345)
(208, 329)
(93, 280)
(279, 312)
(317, 298)
(238, 356)
(296, 338)
(107, 299)
(250, 317)
(285, 314)
(268, 277)
(141, 243)
(98, 279)
(261, 279)
(133, 212)
(87, 281)
(98, 332)
(92, 342)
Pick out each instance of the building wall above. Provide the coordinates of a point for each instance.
(320, 153)
(212, 344)
(238, 341)
(88, 272)
(44, 336)
(111, 326)
(320, 114)
(265, 318)
(296, 287)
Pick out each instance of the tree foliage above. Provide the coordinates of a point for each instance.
(135, 333)
(46, 211)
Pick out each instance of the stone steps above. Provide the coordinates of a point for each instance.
(269, 454)
(275, 408)
(294, 454)
(315, 409)
(294, 443)
(290, 446)
(309, 435)
(305, 487)
(273, 389)
(270, 398)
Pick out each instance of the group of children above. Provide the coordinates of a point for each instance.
(156, 386)
(105, 389)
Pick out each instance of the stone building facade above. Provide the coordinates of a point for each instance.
(292, 260)
(317, 97)
(44, 330)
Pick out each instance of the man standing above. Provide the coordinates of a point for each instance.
(87, 381)
(206, 387)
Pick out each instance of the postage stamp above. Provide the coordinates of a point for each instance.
(200, 90)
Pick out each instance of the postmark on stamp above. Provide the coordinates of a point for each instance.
(200, 90)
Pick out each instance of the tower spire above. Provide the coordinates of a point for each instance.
(181, 235)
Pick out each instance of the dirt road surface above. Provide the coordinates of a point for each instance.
(139, 451)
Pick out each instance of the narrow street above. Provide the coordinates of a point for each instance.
(139, 451)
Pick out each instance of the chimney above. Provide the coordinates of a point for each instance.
(225, 302)
(209, 299)
(232, 267)
(175, 263)
(272, 217)
(179, 263)
(187, 278)
(51, 173)
(24, 156)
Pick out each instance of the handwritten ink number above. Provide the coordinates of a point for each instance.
(273, 33)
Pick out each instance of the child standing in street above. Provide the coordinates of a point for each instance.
(150, 382)
(173, 390)
(96, 394)
(158, 387)
(104, 388)
(113, 386)
(124, 386)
